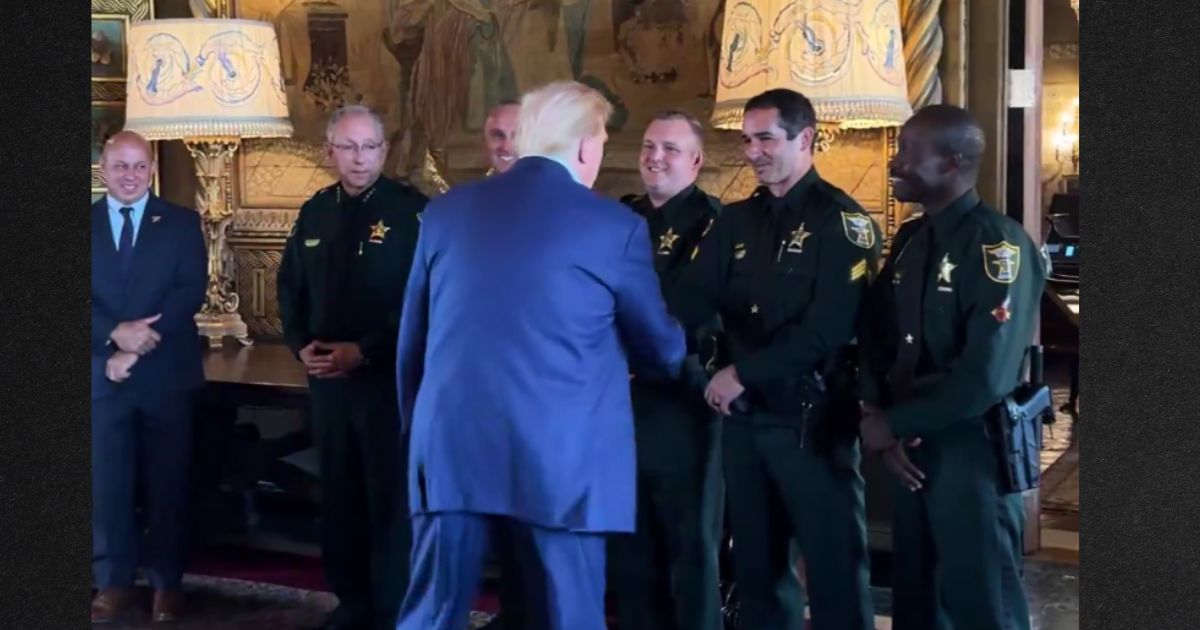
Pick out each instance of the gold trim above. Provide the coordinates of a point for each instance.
(153, 130)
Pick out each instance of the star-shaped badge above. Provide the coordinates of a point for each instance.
(378, 231)
(667, 241)
(946, 268)
(796, 245)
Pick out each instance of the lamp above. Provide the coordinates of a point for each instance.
(847, 58)
(1066, 142)
(210, 83)
(1075, 8)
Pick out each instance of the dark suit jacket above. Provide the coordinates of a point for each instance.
(526, 293)
(169, 276)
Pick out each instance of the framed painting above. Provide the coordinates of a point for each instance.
(110, 66)
(107, 119)
(108, 47)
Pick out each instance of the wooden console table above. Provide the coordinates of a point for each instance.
(230, 457)
(262, 374)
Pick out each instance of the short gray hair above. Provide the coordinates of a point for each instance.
(346, 111)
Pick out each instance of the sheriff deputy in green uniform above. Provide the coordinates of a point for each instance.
(951, 317)
(341, 286)
(665, 576)
(787, 269)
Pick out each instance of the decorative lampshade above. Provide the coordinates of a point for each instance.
(846, 57)
(191, 78)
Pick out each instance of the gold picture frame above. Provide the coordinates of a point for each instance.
(110, 66)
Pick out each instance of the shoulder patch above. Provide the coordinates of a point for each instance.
(858, 229)
(1002, 262)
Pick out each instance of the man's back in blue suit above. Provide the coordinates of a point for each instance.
(534, 287)
(527, 292)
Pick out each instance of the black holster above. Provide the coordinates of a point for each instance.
(1015, 428)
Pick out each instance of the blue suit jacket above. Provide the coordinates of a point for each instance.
(525, 293)
(169, 277)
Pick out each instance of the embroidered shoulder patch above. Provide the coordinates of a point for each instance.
(858, 229)
(1002, 262)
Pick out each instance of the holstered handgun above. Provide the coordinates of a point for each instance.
(1015, 428)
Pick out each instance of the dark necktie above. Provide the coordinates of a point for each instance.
(910, 294)
(125, 248)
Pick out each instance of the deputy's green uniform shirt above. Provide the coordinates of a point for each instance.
(983, 280)
(342, 279)
(787, 276)
(958, 542)
(345, 267)
(665, 575)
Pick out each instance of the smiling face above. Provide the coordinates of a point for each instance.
(499, 136)
(127, 167)
(777, 160)
(670, 160)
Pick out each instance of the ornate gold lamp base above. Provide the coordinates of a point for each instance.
(218, 319)
(217, 327)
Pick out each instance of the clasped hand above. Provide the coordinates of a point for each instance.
(331, 360)
(137, 336)
(877, 436)
(723, 389)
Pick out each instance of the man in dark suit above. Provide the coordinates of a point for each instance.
(526, 293)
(149, 270)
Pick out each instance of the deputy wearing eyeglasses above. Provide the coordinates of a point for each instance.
(341, 287)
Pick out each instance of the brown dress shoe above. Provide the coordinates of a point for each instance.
(168, 605)
(109, 603)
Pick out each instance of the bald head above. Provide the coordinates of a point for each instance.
(124, 139)
(939, 154)
(127, 165)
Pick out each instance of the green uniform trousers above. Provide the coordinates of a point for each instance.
(366, 534)
(957, 542)
(666, 576)
(784, 497)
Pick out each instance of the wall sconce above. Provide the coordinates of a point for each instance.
(1066, 142)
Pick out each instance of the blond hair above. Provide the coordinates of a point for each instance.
(555, 117)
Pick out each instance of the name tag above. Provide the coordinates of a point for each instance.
(312, 242)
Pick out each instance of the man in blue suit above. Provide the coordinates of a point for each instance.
(149, 270)
(527, 292)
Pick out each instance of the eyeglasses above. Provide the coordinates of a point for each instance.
(370, 147)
